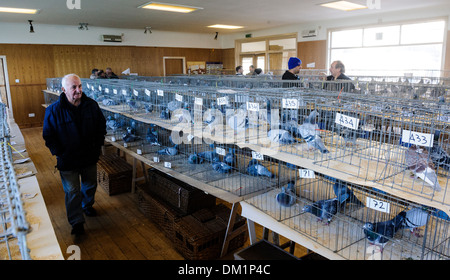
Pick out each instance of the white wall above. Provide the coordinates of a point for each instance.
(323, 26)
(18, 33)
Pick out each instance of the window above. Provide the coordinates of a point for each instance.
(413, 48)
(268, 53)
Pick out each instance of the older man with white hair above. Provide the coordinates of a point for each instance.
(74, 131)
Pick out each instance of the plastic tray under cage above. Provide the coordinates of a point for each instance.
(421, 232)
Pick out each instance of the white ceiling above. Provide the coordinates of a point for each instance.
(252, 14)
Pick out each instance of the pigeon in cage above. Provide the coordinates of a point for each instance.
(287, 195)
(381, 232)
(229, 157)
(418, 162)
(438, 155)
(148, 107)
(351, 135)
(254, 168)
(239, 120)
(415, 218)
(170, 151)
(129, 136)
(210, 156)
(173, 105)
(345, 195)
(221, 167)
(292, 127)
(152, 136)
(195, 159)
(165, 114)
(323, 209)
(133, 104)
(281, 136)
(309, 132)
(112, 123)
(109, 102)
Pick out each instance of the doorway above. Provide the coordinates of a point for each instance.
(5, 95)
(174, 65)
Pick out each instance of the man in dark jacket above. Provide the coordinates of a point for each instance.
(337, 70)
(74, 131)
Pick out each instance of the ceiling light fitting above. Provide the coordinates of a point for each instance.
(18, 10)
(344, 6)
(223, 26)
(169, 7)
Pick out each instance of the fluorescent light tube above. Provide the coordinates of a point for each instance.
(223, 26)
(169, 7)
(344, 6)
(18, 10)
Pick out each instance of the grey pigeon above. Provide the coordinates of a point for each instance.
(281, 136)
(287, 195)
(323, 209)
(421, 166)
(438, 155)
(344, 194)
(171, 151)
(380, 233)
(195, 159)
(254, 168)
(415, 218)
(309, 132)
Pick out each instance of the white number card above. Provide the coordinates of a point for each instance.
(347, 121)
(306, 173)
(290, 103)
(257, 156)
(417, 138)
(378, 205)
(253, 106)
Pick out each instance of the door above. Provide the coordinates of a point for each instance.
(174, 66)
(3, 82)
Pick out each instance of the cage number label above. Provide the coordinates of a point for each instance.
(124, 91)
(290, 103)
(378, 205)
(115, 91)
(347, 121)
(147, 92)
(106, 90)
(417, 138)
(125, 145)
(220, 151)
(257, 156)
(155, 159)
(178, 97)
(253, 106)
(306, 173)
(160, 92)
(222, 101)
(167, 164)
(100, 88)
(135, 92)
(198, 101)
(113, 139)
(443, 118)
(139, 151)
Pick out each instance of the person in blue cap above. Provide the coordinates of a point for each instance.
(294, 64)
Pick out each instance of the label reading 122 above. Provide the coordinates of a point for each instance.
(417, 138)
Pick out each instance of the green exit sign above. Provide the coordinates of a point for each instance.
(248, 35)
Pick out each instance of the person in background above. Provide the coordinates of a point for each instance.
(294, 65)
(110, 74)
(337, 70)
(251, 68)
(94, 73)
(74, 131)
(101, 74)
(258, 71)
(239, 70)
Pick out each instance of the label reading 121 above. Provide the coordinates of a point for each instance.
(257, 156)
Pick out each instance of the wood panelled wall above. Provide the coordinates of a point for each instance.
(32, 64)
(313, 51)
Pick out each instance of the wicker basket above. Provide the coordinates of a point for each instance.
(200, 236)
(114, 174)
(177, 193)
(157, 211)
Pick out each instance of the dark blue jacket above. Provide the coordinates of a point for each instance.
(74, 134)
